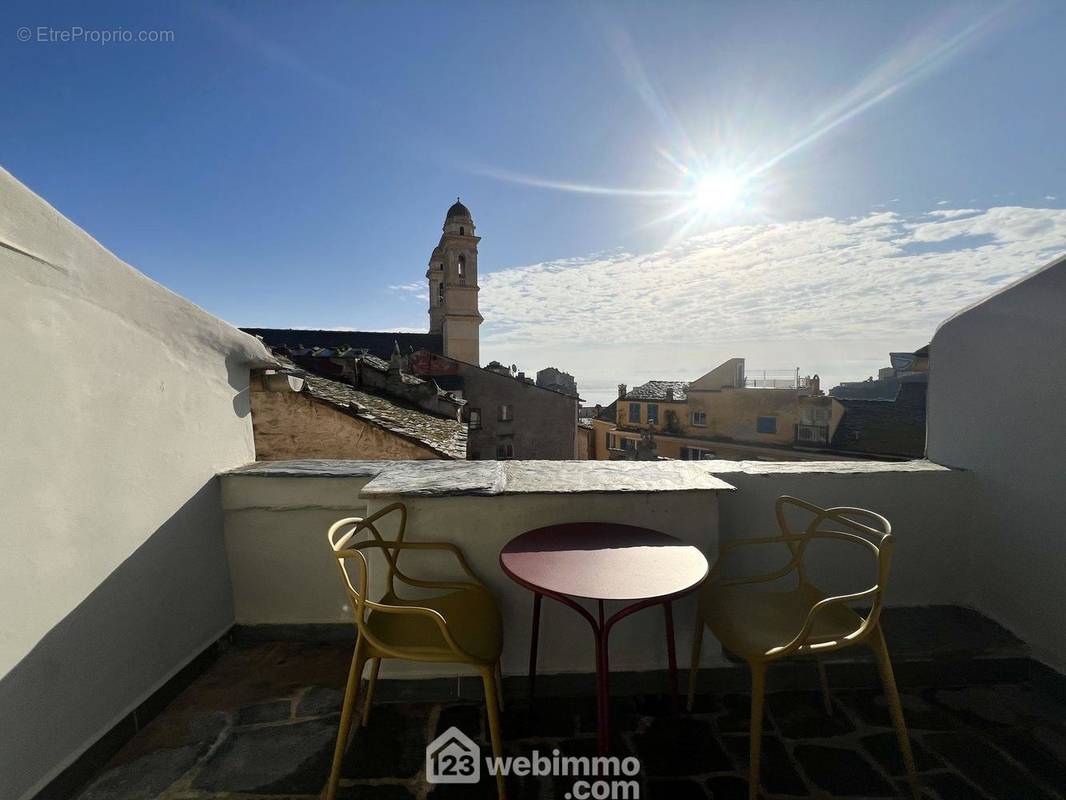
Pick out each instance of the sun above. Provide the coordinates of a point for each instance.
(716, 192)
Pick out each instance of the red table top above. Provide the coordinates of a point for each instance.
(603, 561)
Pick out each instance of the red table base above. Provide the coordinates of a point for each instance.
(601, 629)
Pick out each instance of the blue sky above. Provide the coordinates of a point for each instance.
(289, 164)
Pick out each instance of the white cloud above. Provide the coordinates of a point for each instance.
(831, 296)
(941, 202)
(1050, 197)
(951, 213)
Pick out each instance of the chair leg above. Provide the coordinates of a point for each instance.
(488, 677)
(351, 694)
(827, 701)
(370, 689)
(499, 683)
(758, 693)
(880, 648)
(697, 644)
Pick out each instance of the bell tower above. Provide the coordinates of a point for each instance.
(453, 288)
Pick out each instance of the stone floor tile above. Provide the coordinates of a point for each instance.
(777, 772)
(801, 715)
(984, 765)
(704, 703)
(884, 747)
(319, 701)
(466, 717)
(674, 789)
(552, 717)
(280, 759)
(949, 786)
(393, 745)
(737, 716)
(169, 731)
(525, 788)
(1003, 704)
(1030, 751)
(918, 713)
(841, 771)
(145, 777)
(275, 711)
(676, 746)
(727, 787)
(381, 791)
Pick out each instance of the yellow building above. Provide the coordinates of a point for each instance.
(723, 414)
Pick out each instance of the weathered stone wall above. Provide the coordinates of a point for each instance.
(290, 425)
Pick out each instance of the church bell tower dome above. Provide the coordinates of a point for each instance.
(458, 221)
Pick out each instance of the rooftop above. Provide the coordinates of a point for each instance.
(884, 427)
(346, 344)
(657, 390)
(445, 436)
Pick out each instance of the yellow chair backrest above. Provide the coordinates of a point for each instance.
(840, 523)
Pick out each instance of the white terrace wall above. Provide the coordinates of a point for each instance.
(997, 406)
(284, 573)
(123, 402)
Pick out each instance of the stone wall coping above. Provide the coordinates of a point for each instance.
(719, 467)
(433, 478)
(310, 468)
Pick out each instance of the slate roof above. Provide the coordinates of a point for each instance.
(444, 436)
(656, 390)
(377, 343)
(884, 427)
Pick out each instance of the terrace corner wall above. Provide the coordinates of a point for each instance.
(123, 402)
(996, 407)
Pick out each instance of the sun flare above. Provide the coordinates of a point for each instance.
(716, 192)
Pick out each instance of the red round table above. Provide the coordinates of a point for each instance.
(603, 561)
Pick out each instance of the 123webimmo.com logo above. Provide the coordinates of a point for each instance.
(453, 757)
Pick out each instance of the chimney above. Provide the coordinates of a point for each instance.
(669, 394)
(522, 377)
(621, 391)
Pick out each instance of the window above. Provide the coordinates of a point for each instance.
(440, 293)
(475, 418)
(695, 454)
(634, 412)
(461, 266)
(462, 231)
(766, 425)
(653, 412)
(506, 412)
(504, 449)
(699, 418)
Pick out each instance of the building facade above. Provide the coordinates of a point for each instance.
(508, 415)
(723, 414)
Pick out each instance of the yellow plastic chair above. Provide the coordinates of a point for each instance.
(461, 625)
(765, 626)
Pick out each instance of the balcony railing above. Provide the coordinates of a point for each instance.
(812, 434)
(774, 379)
